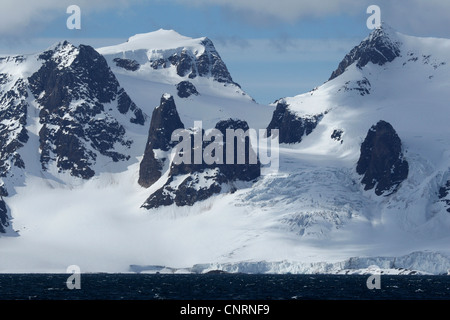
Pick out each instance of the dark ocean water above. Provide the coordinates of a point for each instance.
(221, 287)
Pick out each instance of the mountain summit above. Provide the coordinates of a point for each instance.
(165, 49)
(63, 112)
(380, 47)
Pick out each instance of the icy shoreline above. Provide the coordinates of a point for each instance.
(415, 263)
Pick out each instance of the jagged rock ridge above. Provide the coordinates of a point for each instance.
(193, 181)
(208, 64)
(72, 87)
(165, 120)
(13, 132)
(380, 47)
(166, 49)
(13, 113)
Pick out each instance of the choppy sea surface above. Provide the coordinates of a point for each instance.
(221, 287)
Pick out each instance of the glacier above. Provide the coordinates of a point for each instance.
(415, 263)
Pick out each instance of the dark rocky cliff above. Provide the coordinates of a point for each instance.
(381, 162)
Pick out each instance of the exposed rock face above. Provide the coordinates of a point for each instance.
(209, 64)
(165, 120)
(186, 89)
(13, 132)
(72, 87)
(193, 181)
(4, 219)
(13, 113)
(187, 192)
(381, 161)
(247, 171)
(363, 87)
(244, 164)
(337, 135)
(444, 195)
(292, 128)
(380, 47)
(127, 64)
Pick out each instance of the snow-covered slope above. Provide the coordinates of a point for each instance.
(409, 93)
(388, 99)
(162, 59)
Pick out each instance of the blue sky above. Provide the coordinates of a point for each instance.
(273, 49)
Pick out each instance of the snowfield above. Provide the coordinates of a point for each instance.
(311, 216)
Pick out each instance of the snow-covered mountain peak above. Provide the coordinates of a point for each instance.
(381, 46)
(190, 69)
(396, 78)
(63, 53)
(169, 56)
(162, 33)
(61, 45)
(156, 41)
(384, 32)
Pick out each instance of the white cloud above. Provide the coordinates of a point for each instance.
(285, 10)
(21, 16)
(415, 17)
(418, 17)
(285, 50)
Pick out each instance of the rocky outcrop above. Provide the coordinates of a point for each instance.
(72, 87)
(243, 170)
(208, 64)
(211, 64)
(292, 128)
(363, 87)
(13, 132)
(381, 161)
(165, 120)
(127, 64)
(380, 47)
(187, 192)
(337, 135)
(444, 195)
(13, 113)
(185, 89)
(191, 181)
(4, 219)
